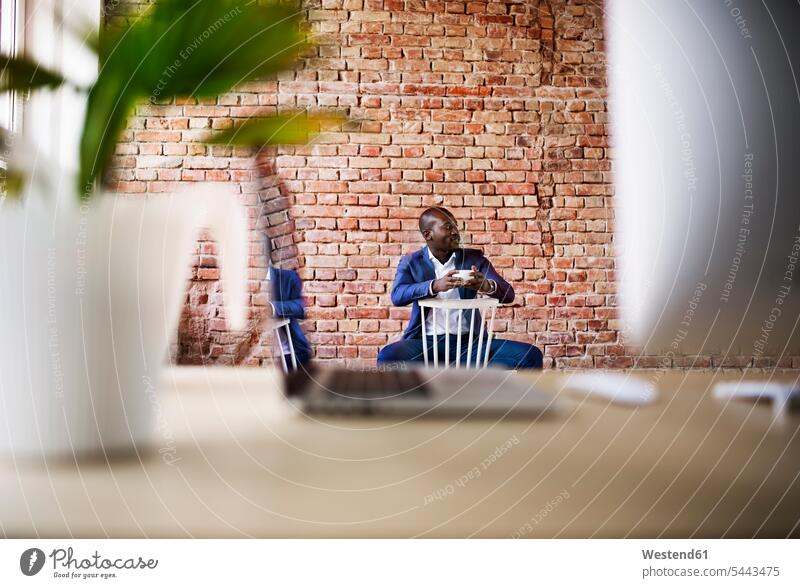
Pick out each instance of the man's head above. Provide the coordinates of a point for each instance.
(439, 229)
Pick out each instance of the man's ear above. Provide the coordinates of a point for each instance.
(427, 234)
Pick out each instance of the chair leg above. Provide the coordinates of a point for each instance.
(291, 348)
(424, 335)
(458, 341)
(280, 351)
(471, 335)
(447, 341)
(490, 332)
(480, 340)
(435, 340)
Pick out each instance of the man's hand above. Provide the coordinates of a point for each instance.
(478, 281)
(446, 282)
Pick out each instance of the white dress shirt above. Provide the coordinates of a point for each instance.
(441, 314)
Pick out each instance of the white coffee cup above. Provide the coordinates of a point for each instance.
(464, 275)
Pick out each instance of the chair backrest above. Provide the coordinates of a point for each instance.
(275, 326)
(483, 306)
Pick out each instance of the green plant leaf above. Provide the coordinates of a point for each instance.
(13, 182)
(205, 47)
(108, 107)
(21, 73)
(183, 48)
(283, 129)
(216, 45)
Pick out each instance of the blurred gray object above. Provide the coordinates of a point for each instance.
(704, 105)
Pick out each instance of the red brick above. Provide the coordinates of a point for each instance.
(367, 313)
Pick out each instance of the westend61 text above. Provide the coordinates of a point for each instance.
(691, 554)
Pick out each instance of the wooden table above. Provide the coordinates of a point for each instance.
(232, 459)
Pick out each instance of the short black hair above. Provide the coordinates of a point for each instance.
(427, 217)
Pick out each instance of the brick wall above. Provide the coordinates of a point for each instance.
(496, 110)
(493, 109)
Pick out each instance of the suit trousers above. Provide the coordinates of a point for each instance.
(502, 352)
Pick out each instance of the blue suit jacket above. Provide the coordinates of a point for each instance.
(415, 272)
(287, 300)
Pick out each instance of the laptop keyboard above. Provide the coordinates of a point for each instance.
(374, 385)
(339, 391)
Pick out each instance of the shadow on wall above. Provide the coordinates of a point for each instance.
(202, 335)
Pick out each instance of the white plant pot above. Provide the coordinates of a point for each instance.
(90, 298)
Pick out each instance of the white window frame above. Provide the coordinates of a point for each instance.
(52, 120)
(11, 32)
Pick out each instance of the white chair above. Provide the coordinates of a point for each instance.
(275, 326)
(483, 306)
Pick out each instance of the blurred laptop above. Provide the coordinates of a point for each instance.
(416, 392)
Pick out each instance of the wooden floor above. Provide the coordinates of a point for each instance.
(231, 459)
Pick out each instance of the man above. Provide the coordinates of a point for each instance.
(286, 302)
(430, 273)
